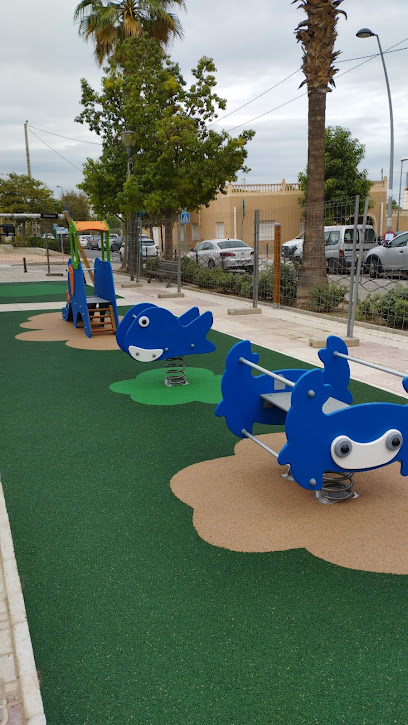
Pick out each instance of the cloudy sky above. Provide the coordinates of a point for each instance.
(256, 54)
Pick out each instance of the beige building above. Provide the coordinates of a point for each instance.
(232, 214)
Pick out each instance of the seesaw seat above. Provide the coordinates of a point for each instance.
(327, 437)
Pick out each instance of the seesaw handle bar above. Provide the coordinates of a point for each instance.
(259, 443)
(370, 365)
(267, 372)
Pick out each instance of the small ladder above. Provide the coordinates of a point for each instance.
(102, 320)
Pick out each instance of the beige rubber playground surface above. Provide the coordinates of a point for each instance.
(225, 512)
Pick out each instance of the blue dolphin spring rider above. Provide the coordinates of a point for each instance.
(149, 333)
(328, 439)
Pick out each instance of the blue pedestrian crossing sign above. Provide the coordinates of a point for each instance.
(185, 217)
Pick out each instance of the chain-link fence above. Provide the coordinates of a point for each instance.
(364, 279)
(260, 256)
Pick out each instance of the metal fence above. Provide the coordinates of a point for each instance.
(259, 259)
(259, 266)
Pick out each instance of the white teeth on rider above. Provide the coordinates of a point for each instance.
(142, 355)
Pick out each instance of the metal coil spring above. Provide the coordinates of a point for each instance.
(337, 486)
(175, 371)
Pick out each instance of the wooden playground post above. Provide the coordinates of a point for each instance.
(86, 261)
(276, 264)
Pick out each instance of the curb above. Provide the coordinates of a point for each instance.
(21, 701)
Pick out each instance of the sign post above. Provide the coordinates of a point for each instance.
(185, 219)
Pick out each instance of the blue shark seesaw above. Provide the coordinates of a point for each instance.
(328, 439)
(149, 333)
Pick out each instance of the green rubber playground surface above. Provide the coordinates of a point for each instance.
(133, 617)
(15, 292)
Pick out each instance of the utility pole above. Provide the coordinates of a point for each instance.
(27, 150)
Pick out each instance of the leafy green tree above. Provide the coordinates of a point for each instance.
(108, 22)
(20, 194)
(178, 162)
(342, 177)
(77, 204)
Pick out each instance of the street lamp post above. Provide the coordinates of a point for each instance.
(127, 140)
(399, 195)
(367, 33)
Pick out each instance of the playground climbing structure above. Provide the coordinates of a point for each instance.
(97, 313)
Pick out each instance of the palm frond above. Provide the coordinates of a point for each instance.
(107, 21)
(317, 35)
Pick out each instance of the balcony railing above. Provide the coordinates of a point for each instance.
(262, 188)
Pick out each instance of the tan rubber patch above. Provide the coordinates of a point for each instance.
(50, 327)
(242, 503)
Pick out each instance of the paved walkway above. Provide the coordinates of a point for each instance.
(287, 331)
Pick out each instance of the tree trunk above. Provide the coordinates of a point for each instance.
(168, 235)
(134, 246)
(313, 269)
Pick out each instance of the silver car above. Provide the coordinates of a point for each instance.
(149, 248)
(389, 257)
(228, 254)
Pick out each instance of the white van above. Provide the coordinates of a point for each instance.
(338, 246)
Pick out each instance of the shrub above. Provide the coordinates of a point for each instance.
(326, 299)
(391, 306)
(151, 263)
(288, 283)
(34, 241)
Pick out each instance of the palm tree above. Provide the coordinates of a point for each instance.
(317, 35)
(110, 21)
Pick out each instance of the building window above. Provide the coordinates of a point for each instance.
(219, 230)
(266, 231)
(195, 232)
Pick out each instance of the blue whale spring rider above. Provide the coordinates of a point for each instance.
(149, 333)
(325, 433)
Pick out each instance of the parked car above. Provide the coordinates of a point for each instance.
(47, 236)
(338, 241)
(388, 257)
(228, 254)
(289, 248)
(149, 248)
(115, 242)
(93, 242)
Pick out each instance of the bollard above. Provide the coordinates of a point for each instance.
(24, 264)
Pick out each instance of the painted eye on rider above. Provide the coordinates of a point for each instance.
(394, 440)
(144, 321)
(343, 447)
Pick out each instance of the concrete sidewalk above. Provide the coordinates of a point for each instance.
(282, 329)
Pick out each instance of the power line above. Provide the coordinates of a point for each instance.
(371, 57)
(79, 140)
(286, 103)
(55, 152)
(255, 99)
(266, 112)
